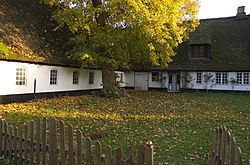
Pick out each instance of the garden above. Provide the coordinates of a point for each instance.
(178, 124)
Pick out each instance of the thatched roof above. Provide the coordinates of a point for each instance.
(230, 45)
(27, 29)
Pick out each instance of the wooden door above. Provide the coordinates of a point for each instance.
(141, 80)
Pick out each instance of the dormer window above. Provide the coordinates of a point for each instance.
(200, 51)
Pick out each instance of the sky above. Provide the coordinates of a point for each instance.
(221, 8)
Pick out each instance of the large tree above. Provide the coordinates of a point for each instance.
(112, 34)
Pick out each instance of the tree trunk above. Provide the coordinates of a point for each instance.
(108, 76)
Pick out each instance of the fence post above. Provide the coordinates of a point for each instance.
(149, 149)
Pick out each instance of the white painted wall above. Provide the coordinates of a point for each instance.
(65, 79)
(211, 84)
(159, 84)
(8, 78)
(129, 78)
(153, 84)
(42, 75)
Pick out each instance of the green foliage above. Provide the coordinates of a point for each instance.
(110, 92)
(123, 32)
(3, 49)
(179, 125)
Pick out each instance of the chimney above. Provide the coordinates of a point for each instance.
(241, 14)
(241, 11)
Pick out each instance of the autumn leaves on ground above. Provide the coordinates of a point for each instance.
(179, 125)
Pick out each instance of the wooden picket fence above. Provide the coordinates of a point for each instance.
(48, 141)
(224, 148)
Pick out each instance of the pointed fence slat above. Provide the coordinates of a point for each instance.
(5, 139)
(239, 156)
(119, 156)
(52, 142)
(31, 143)
(62, 143)
(20, 145)
(141, 151)
(108, 155)
(10, 142)
(38, 141)
(26, 144)
(44, 142)
(79, 147)
(71, 145)
(233, 151)
(15, 142)
(224, 150)
(88, 151)
(98, 149)
(129, 159)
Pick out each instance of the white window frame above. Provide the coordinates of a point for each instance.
(221, 78)
(243, 78)
(75, 78)
(155, 78)
(21, 76)
(53, 78)
(198, 78)
(91, 77)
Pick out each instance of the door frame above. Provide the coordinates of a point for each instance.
(175, 84)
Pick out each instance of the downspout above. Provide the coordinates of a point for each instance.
(35, 86)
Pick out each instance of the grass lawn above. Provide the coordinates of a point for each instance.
(178, 124)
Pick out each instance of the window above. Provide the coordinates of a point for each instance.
(243, 78)
(119, 77)
(221, 78)
(198, 78)
(200, 50)
(91, 77)
(53, 77)
(155, 76)
(75, 77)
(21, 76)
